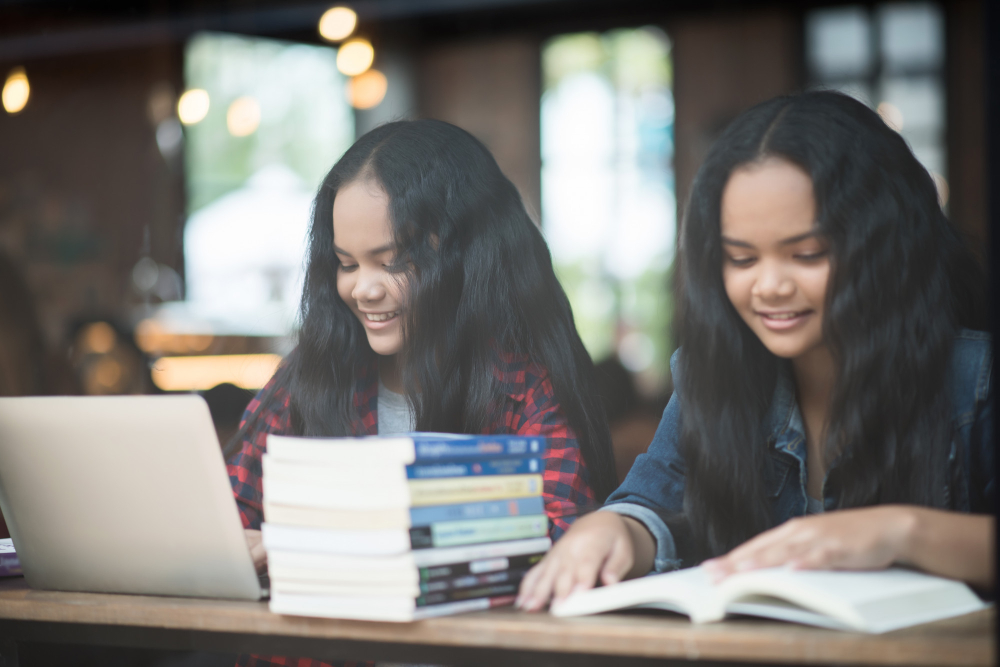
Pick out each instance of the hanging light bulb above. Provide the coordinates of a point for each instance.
(16, 91)
(355, 56)
(337, 23)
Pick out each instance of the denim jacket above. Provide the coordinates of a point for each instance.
(654, 487)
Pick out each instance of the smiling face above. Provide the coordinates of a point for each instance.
(776, 266)
(362, 239)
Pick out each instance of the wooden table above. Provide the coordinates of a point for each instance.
(496, 637)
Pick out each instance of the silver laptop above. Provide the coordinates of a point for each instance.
(123, 494)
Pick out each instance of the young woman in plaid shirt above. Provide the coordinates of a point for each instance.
(430, 294)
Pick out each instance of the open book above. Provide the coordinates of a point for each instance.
(872, 602)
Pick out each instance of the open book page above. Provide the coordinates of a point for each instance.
(871, 602)
(874, 602)
(687, 592)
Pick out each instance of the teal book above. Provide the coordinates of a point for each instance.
(477, 531)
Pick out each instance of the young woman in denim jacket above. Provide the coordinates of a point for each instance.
(827, 362)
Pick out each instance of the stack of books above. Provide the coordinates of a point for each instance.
(401, 528)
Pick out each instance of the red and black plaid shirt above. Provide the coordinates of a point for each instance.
(531, 410)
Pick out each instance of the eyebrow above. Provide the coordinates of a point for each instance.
(789, 241)
(371, 253)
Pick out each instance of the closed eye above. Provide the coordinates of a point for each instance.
(348, 267)
(812, 256)
(740, 261)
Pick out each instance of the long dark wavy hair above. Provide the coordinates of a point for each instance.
(480, 284)
(902, 283)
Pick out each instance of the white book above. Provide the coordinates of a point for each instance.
(345, 589)
(329, 568)
(307, 576)
(346, 452)
(336, 519)
(340, 564)
(348, 542)
(873, 602)
(364, 494)
(322, 474)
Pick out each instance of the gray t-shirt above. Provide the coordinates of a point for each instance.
(394, 414)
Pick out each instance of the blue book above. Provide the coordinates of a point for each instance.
(449, 446)
(425, 516)
(470, 468)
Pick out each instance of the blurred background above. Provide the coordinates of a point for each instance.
(159, 158)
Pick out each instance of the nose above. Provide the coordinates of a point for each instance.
(368, 287)
(773, 282)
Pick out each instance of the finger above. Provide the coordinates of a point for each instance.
(564, 583)
(818, 558)
(543, 587)
(774, 547)
(586, 575)
(786, 551)
(718, 568)
(259, 557)
(618, 563)
(529, 582)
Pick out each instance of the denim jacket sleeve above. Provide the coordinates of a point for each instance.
(654, 488)
(971, 391)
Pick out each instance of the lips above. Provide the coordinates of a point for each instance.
(375, 322)
(784, 320)
(380, 317)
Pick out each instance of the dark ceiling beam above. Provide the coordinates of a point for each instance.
(263, 21)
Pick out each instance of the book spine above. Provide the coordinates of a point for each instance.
(448, 555)
(462, 607)
(431, 447)
(472, 489)
(473, 580)
(470, 594)
(477, 531)
(519, 466)
(483, 566)
(425, 516)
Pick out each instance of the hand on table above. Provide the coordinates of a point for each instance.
(601, 544)
(257, 550)
(870, 538)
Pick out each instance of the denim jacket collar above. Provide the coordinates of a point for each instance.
(785, 429)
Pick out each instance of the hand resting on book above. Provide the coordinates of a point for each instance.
(602, 544)
(611, 547)
(872, 538)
